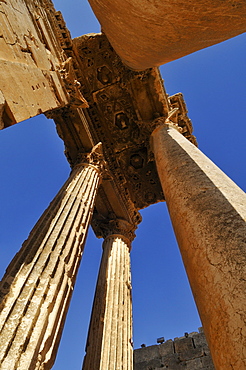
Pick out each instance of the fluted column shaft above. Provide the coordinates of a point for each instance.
(109, 343)
(208, 213)
(37, 286)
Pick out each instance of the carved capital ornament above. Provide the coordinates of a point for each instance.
(94, 158)
(105, 228)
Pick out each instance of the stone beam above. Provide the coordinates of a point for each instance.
(36, 74)
(150, 33)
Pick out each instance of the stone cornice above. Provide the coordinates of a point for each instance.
(123, 106)
(181, 118)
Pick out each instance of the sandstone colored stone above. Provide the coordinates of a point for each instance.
(38, 61)
(109, 343)
(37, 286)
(208, 213)
(34, 76)
(149, 33)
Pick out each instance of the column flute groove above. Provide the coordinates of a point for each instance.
(109, 343)
(46, 258)
(120, 311)
(37, 286)
(32, 239)
(116, 256)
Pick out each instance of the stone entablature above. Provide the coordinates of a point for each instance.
(36, 74)
(143, 133)
(190, 352)
(122, 107)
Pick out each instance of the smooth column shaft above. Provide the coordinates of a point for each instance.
(109, 343)
(37, 286)
(208, 212)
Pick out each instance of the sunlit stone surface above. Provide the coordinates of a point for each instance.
(208, 213)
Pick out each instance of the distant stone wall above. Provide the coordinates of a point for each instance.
(189, 352)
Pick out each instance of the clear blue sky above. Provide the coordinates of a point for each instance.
(33, 168)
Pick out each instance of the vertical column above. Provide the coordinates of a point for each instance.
(37, 286)
(208, 213)
(109, 343)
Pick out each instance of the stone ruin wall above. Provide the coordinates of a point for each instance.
(189, 352)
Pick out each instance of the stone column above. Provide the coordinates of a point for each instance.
(208, 213)
(37, 286)
(109, 343)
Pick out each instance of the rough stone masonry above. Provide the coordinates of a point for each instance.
(189, 352)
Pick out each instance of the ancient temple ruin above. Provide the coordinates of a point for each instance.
(129, 145)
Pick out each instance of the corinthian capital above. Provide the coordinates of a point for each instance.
(94, 158)
(107, 227)
(170, 120)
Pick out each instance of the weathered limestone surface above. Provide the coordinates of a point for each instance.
(37, 286)
(190, 352)
(109, 343)
(36, 75)
(208, 213)
(147, 33)
(122, 106)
